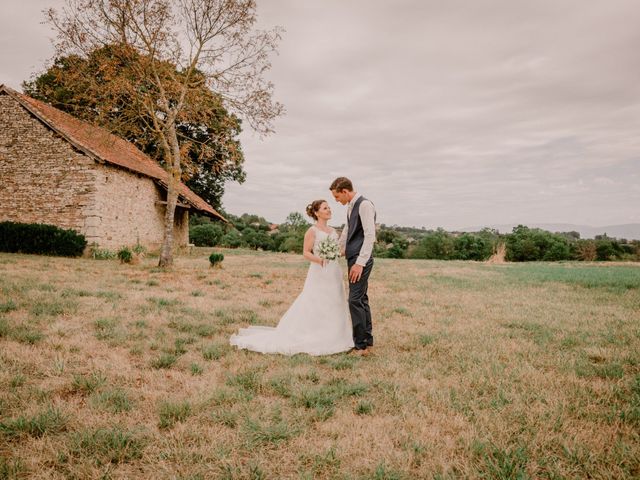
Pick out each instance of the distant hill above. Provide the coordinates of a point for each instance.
(630, 231)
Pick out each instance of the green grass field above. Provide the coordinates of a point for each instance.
(508, 371)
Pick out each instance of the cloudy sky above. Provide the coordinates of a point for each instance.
(444, 113)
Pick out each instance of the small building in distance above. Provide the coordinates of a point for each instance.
(59, 170)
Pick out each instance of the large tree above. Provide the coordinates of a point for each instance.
(167, 50)
(94, 88)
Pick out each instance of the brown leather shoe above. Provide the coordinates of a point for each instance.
(362, 352)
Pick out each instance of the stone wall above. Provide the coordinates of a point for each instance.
(43, 179)
(126, 211)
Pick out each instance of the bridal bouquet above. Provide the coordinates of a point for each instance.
(328, 249)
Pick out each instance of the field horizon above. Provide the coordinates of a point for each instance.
(505, 371)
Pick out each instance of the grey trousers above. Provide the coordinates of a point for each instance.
(359, 307)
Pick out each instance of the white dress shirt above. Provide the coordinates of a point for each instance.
(368, 219)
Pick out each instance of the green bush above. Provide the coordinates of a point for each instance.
(387, 236)
(397, 249)
(469, 246)
(40, 239)
(125, 255)
(258, 239)
(215, 259)
(526, 244)
(557, 250)
(289, 241)
(232, 239)
(206, 234)
(438, 245)
(607, 249)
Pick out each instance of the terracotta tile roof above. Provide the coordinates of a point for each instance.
(105, 147)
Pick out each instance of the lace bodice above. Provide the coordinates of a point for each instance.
(320, 236)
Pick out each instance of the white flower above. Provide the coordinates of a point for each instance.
(328, 249)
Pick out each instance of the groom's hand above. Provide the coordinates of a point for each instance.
(355, 273)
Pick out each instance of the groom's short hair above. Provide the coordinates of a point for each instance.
(341, 183)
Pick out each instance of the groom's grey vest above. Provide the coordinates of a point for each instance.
(355, 238)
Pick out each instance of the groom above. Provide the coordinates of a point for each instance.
(356, 241)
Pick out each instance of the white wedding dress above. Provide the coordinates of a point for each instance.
(318, 321)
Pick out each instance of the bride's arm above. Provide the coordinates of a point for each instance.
(307, 249)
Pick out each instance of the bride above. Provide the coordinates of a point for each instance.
(318, 321)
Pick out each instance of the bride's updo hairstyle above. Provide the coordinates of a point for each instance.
(313, 207)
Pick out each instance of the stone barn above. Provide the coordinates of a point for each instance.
(59, 170)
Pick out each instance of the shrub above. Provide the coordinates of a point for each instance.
(607, 249)
(289, 241)
(206, 235)
(436, 245)
(232, 239)
(585, 250)
(472, 247)
(387, 236)
(390, 244)
(397, 250)
(215, 259)
(557, 250)
(125, 255)
(257, 239)
(526, 244)
(41, 239)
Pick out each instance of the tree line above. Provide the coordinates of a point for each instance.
(249, 231)
(523, 244)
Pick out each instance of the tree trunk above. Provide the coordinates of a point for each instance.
(166, 253)
(175, 171)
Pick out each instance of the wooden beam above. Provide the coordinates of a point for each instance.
(178, 204)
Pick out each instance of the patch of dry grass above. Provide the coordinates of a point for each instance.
(480, 371)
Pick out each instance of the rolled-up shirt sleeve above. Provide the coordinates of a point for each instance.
(368, 219)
